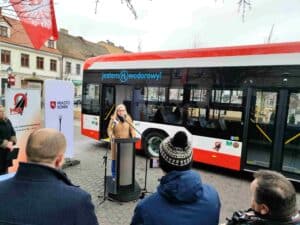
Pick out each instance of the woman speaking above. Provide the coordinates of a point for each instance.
(120, 126)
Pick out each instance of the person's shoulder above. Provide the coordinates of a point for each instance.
(149, 201)
(75, 195)
(70, 189)
(210, 191)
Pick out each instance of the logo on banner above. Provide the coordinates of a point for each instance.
(20, 102)
(59, 104)
(52, 104)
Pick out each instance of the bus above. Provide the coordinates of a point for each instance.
(240, 105)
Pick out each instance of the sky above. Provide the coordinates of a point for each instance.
(180, 24)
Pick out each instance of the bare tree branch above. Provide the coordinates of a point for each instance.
(244, 5)
(131, 8)
(96, 7)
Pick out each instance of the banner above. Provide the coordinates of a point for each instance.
(23, 108)
(38, 20)
(59, 114)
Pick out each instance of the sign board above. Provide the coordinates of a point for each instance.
(23, 108)
(59, 114)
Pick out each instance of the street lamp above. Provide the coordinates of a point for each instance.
(11, 77)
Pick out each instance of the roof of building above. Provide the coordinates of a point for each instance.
(112, 48)
(19, 36)
(78, 47)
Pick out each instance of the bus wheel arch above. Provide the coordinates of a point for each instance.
(151, 141)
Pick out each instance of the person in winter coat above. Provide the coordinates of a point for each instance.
(120, 126)
(181, 197)
(40, 193)
(273, 202)
(7, 140)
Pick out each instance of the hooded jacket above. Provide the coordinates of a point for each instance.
(181, 198)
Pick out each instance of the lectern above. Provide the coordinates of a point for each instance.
(124, 188)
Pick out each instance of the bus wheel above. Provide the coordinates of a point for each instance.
(152, 142)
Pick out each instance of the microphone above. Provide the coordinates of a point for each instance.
(123, 118)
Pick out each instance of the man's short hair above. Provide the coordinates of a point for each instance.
(44, 145)
(277, 192)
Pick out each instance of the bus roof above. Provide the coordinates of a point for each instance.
(247, 55)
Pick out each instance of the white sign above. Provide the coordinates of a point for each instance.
(91, 122)
(23, 108)
(59, 114)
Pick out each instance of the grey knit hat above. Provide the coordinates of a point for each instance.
(176, 151)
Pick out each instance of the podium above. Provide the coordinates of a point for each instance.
(124, 188)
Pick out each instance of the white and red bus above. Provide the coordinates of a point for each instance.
(239, 105)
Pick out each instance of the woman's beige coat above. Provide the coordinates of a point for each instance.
(117, 129)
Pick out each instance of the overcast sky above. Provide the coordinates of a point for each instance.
(179, 24)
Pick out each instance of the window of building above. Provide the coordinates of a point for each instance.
(3, 31)
(51, 44)
(68, 68)
(24, 60)
(53, 65)
(40, 63)
(5, 57)
(78, 69)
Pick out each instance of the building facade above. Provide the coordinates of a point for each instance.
(28, 67)
(20, 61)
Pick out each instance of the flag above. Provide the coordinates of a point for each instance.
(38, 20)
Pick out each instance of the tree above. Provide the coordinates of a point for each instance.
(244, 5)
(128, 4)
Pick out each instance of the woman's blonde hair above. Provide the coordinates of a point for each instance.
(117, 108)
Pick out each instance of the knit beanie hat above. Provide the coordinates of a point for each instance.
(175, 153)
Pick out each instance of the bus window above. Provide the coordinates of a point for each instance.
(265, 106)
(90, 99)
(154, 98)
(155, 94)
(176, 94)
(227, 96)
(199, 95)
(236, 97)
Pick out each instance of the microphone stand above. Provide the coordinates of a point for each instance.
(105, 178)
(144, 191)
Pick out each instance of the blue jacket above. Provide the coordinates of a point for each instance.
(181, 199)
(40, 195)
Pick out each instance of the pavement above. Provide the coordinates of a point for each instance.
(233, 188)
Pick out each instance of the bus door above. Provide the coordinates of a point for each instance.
(272, 130)
(259, 129)
(107, 109)
(291, 136)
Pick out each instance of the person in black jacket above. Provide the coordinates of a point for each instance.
(273, 202)
(7, 140)
(40, 193)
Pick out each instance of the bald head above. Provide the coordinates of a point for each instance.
(45, 145)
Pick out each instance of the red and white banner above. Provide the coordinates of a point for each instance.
(38, 19)
(23, 108)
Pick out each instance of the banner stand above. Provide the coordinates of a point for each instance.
(59, 114)
(70, 162)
